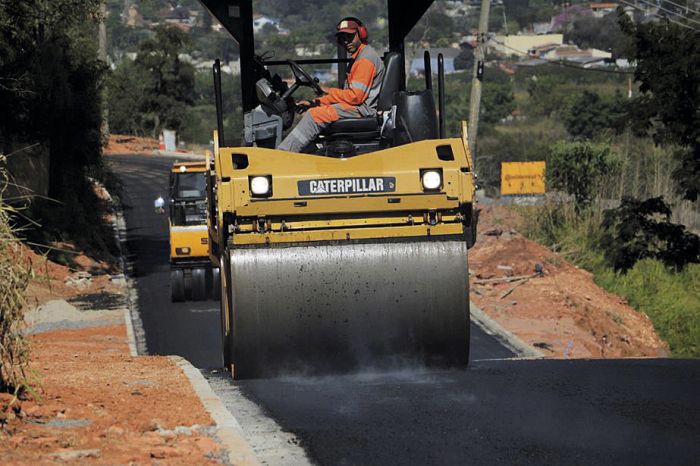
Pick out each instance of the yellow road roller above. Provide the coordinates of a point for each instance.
(353, 254)
(192, 276)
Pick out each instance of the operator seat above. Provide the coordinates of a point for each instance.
(368, 128)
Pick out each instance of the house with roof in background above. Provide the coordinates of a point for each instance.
(260, 21)
(541, 28)
(573, 54)
(526, 44)
(601, 9)
(448, 55)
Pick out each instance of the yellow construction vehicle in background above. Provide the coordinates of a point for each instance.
(353, 255)
(191, 273)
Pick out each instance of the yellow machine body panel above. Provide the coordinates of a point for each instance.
(189, 167)
(338, 209)
(188, 242)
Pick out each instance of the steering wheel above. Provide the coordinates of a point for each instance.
(304, 79)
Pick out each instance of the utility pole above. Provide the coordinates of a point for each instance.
(478, 76)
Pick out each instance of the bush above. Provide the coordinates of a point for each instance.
(589, 116)
(642, 229)
(579, 168)
(544, 97)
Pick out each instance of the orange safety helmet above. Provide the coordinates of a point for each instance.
(352, 24)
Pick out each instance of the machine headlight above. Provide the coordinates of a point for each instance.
(431, 179)
(261, 186)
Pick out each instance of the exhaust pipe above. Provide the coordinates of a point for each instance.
(441, 95)
(219, 102)
(428, 71)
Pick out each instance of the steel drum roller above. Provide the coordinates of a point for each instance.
(333, 308)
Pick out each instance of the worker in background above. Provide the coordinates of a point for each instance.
(359, 95)
(159, 205)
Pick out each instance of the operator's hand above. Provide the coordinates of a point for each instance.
(304, 105)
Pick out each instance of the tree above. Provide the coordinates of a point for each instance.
(155, 91)
(526, 12)
(600, 33)
(465, 59)
(543, 98)
(169, 88)
(51, 94)
(126, 88)
(432, 26)
(588, 115)
(50, 83)
(578, 168)
(668, 70)
(497, 102)
(124, 38)
(218, 44)
(200, 120)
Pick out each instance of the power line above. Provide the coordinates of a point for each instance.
(683, 6)
(669, 11)
(659, 16)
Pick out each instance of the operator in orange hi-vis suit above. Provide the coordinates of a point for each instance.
(359, 95)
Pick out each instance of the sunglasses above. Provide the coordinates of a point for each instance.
(345, 37)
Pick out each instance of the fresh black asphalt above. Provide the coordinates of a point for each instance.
(495, 412)
(189, 329)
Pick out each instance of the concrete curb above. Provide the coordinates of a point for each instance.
(119, 225)
(510, 341)
(229, 431)
(130, 333)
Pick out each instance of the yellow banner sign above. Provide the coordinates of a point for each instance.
(522, 178)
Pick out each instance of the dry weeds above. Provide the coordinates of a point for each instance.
(14, 277)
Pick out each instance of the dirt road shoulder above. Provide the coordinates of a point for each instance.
(97, 404)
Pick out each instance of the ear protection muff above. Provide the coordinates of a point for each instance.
(362, 31)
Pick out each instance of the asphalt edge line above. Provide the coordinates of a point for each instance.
(229, 431)
(493, 328)
(137, 345)
(119, 225)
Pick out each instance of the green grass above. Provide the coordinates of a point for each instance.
(670, 299)
(574, 236)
